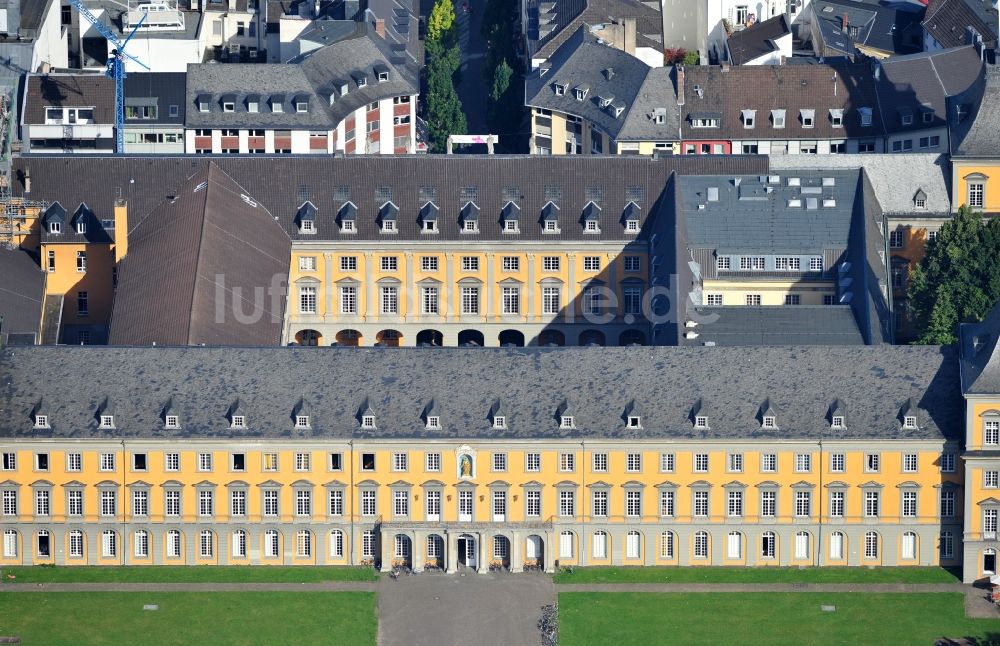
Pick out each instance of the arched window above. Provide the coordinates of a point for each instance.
(802, 545)
(205, 544)
(76, 544)
(401, 546)
(303, 543)
(109, 544)
(272, 544)
(501, 549)
(336, 544)
(633, 547)
(768, 545)
(667, 545)
(44, 540)
(239, 543)
(701, 545)
(909, 546)
(734, 545)
(141, 544)
(9, 544)
(600, 545)
(566, 545)
(173, 544)
(837, 545)
(871, 545)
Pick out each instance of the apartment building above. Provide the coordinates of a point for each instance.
(666, 456)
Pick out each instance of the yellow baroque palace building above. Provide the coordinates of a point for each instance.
(513, 458)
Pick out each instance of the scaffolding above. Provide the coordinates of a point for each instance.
(14, 211)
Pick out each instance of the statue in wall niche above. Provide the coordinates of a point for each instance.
(465, 466)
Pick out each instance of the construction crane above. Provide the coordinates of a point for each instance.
(116, 66)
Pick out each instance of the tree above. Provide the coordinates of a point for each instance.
(501, 81)
(958, 279)
(441, 24)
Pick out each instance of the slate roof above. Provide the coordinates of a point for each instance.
(656, 96)
(756, 217)
(924, 82)
(883, 25)
(895, 178)
(664, 384)
(792, 88)
(802, 325)
(946, 21)
(20, 296)
(551, 22)
(402, 24)
(979, 135)
(218, 245)
(69, 90)
(163, 89)
(980, 351)
(752, 43)
(583, 61)
(282, 183)
(318, 74)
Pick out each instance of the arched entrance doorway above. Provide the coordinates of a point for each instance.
(349, 338)
(534, 557)
(435, 553)
(467, 338)
(551, 338)
(501, 554)
(401, 551)
(428, 338)
(467, 551)
(632, 337)
(592, 337)
(389, 338)
(511, 338)
(308, 337)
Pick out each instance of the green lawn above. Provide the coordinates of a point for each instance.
(186, 574)
(185, 618)
(755, 575)
(621, 619)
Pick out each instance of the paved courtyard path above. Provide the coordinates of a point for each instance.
(455, 610)
(329, 586)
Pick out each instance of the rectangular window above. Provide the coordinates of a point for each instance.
(701, 504)
(389, 263)
(470, 300)
(803, 504)
(81, 262)
(204, 461)
(909, 504)
(206, 502)
(42, 507)
(591, 263)
(567, 504)
(511, 300)
(567, 462)
(400, 461)
(270, 462)
(837, 504)
(499, 462)
(872, 462)
(8, 461)
(107, 462)
(768, 503)
(947, 462)
(735, 462)
(837, 463)
(871, 504)
(303, 461)
(303, 502)
(400, 503)
(667, 462)
(433, 505)
(109, 506)
(947, 503)
(550, 300)
(499, 505)
(109, 546)
(41, 462)
(307, 263)
(390, 300)
(600, 504)
(432, 462)
(74, 462)
(271, 503)
(714, 300)
(600, 463)
(533, 503)
(367, 461)
(803, 463)
(74, 502)
(172, 503)
(336, 503)
(238, 503)
(667, 503)
(307, 299)
(140, 503)
(701, 462)
(769, 462)
(533, 462)
(82, 304)
(633, 462)
(633, 503)
(734, 503)
(470, 263)
(550, 263)
(909, 462)
(977, 191)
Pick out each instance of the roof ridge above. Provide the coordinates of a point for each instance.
(201, 239)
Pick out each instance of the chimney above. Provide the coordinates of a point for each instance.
(27, 180)
(725, 67)
(629, 44)
(121, 229)
(380, 27)
(844, 22)
(231, 4)
(680, 84)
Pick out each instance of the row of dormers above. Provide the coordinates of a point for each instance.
(767, 416)
(82, 220)
(468, 217)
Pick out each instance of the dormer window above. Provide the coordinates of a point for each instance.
(81, 226)
(362, 81)
(302, 106)
(560, 89)
(749, 118)
(307, 226)
(591, 226)
(837, 118)
(388, 226)
(470, 226)
(777, 118)
(909, 421)
(768, 422)
(55, 227)
(228, 106)
(928, 116)
(239, 421)
(367, 421)
(301, 421)
(430, 226)
(41, 421)
(277, 106)
(433, 422)
(634, 421)
(202, 106)
(866, 116)
(253, 106)
(632, 226)
(700, 421)
(808, 118)
(510, 226)
(383, 77)
(172, 421)
(567, 422)
(347, 226)
(499, 421)
(551, 226)
(580, 93)
(837, 421)
(107, 421)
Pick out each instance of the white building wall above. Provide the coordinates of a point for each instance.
(387, 131)
(300, 142)
(51, 46)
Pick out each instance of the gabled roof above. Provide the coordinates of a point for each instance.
(165, 90)
(21, 297)
(533, 381)
(215, 241)
(978, 134)
(947, 21)
(759, 40)
(69, 91)
(888, 27)
(980, 349)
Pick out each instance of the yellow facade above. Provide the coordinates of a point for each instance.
(768, 292)
(981, 172)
